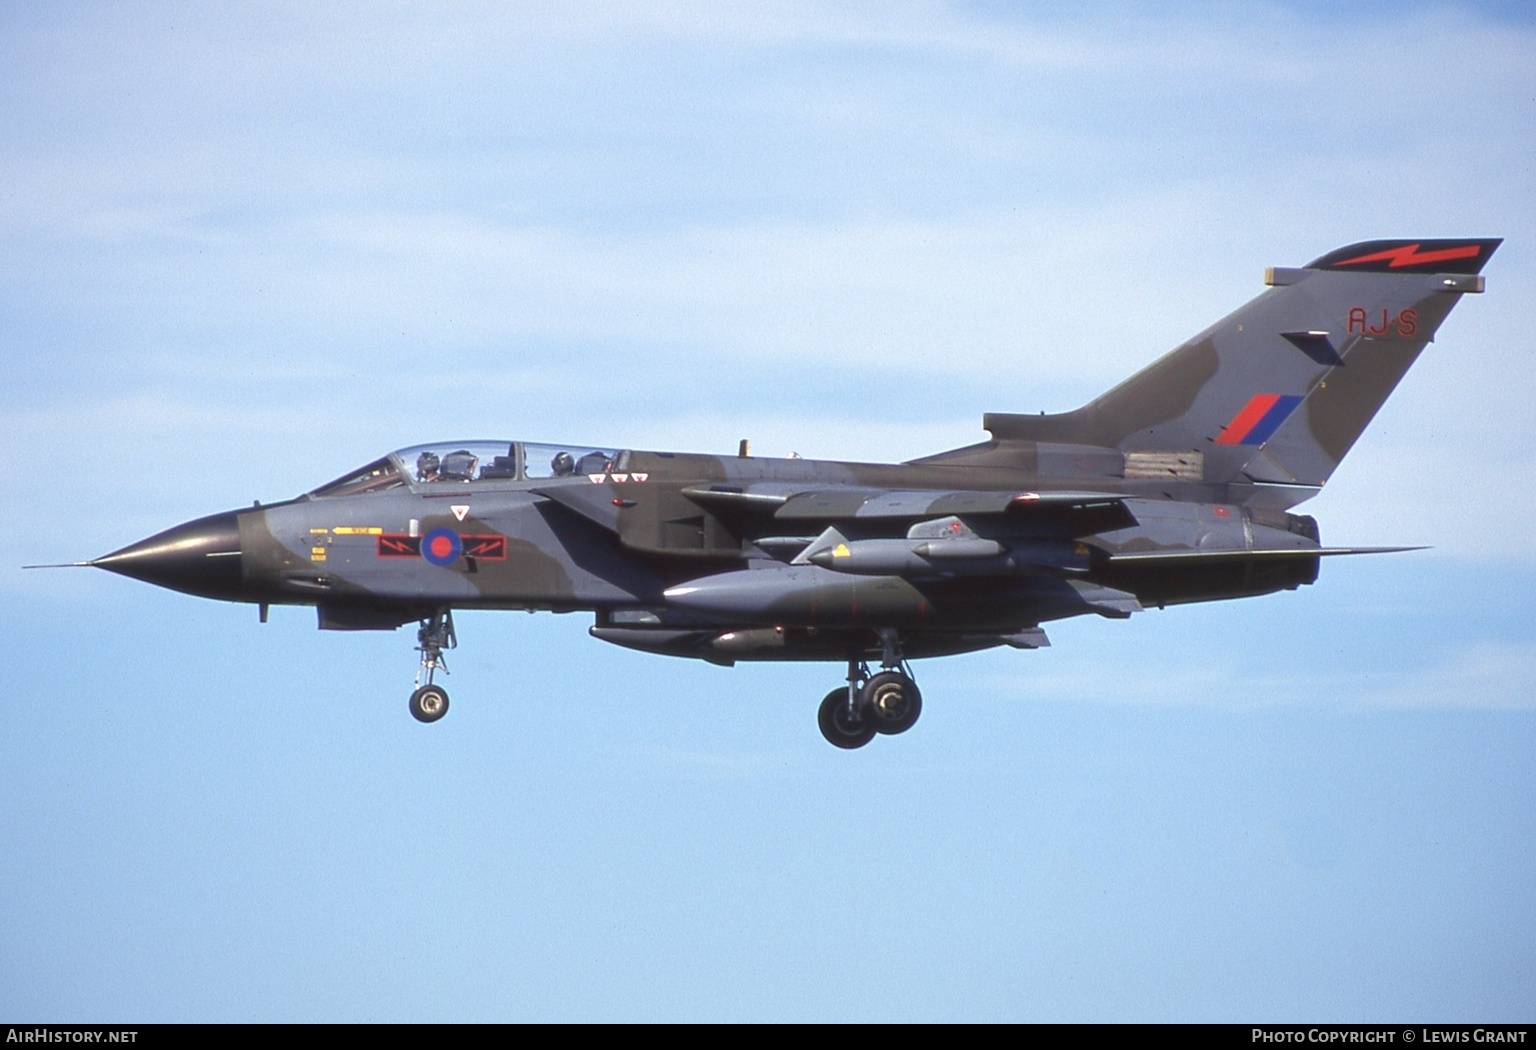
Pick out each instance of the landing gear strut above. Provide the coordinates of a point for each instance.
(430, 702)
(886, 703)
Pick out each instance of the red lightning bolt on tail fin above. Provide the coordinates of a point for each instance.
(1409, 255)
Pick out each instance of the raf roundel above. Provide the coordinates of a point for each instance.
(441, 546)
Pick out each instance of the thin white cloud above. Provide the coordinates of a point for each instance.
(1481, 675)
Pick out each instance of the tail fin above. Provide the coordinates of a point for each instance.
(1280, 390)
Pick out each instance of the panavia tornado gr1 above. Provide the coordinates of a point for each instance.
(1175, 486)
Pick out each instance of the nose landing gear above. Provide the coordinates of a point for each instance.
(430, 702)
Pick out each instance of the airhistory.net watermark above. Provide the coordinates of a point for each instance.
(40, 1034)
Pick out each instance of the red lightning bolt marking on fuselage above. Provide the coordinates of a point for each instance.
(1409, 255)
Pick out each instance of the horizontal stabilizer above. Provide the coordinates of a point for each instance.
(1144, 557)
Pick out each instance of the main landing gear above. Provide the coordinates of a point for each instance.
(430, 702)
(887, 702)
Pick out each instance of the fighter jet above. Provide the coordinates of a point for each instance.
(1175, 486)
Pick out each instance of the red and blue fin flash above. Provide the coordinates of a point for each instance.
(1258, 420)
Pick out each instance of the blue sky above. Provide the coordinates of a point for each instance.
(244, 251)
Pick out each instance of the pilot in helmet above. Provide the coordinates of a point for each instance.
(426, 466)
(563, 465)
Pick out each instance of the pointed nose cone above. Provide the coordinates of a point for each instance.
(199, 557)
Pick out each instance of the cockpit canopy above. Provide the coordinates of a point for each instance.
(470, 463)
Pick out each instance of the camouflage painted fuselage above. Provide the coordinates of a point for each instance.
(1175, 486)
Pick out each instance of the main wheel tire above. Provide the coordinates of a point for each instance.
(891, 702)
(429, 703)
(836, 726)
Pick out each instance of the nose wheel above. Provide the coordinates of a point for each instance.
(430, 702)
